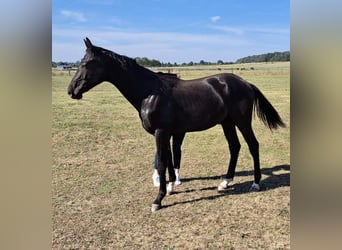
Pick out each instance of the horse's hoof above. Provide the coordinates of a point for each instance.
(221, 188)
(254, 187)
(155, 207)
(170, 188)
(223, 185)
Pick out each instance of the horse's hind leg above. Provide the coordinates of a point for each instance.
(177, 141)
(229, 130)
(253, 145)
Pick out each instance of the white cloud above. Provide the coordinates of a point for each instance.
(115, 20)
(244, 30)
(214, 19)
(237, 31)
(271, 31)
(164, 46)
(108, 36)
(73, 15)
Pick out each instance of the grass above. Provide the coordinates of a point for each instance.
(102, 167)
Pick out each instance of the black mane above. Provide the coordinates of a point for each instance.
(164, 78)
(167, 75)
(123, 60)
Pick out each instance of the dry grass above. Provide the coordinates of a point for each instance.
(102, 186)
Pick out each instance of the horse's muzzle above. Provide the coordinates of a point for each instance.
(74, 93)
(76, 96)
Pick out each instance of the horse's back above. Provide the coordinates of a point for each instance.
(221, 95)
(227, 85)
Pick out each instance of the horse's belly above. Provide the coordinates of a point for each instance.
(202, 115)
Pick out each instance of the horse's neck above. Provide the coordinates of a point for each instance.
(134, 84)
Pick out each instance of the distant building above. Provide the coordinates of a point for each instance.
(64, 67)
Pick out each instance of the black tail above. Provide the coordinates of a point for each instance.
(266, 111)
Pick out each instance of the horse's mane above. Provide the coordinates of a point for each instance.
(166, 81)
(167, 75)
(123, 60)
(127, 61)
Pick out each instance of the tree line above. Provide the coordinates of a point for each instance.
(146, 62)
(156, 63)
(269, 57)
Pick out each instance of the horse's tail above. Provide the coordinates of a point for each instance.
(266, 111)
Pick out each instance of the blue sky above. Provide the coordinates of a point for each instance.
(171, 30)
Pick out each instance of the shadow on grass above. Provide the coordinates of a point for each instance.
(272, 181)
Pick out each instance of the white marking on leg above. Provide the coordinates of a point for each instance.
(178, 177)
(224, 184)
(170, 188)
(255, 187)
(155, 207)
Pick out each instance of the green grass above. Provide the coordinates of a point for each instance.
(102, 168)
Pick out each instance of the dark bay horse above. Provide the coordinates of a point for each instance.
(169, 106)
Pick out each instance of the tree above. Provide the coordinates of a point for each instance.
(144, 61)
(269, 57)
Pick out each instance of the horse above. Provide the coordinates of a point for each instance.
(169, 106)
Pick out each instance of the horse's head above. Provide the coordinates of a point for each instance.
(91, 72)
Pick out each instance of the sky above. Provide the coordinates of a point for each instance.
(174, 31)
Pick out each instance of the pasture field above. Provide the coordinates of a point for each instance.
(102, 168)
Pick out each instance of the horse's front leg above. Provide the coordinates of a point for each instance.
(162, 138)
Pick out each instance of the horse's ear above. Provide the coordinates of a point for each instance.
(88, 43)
